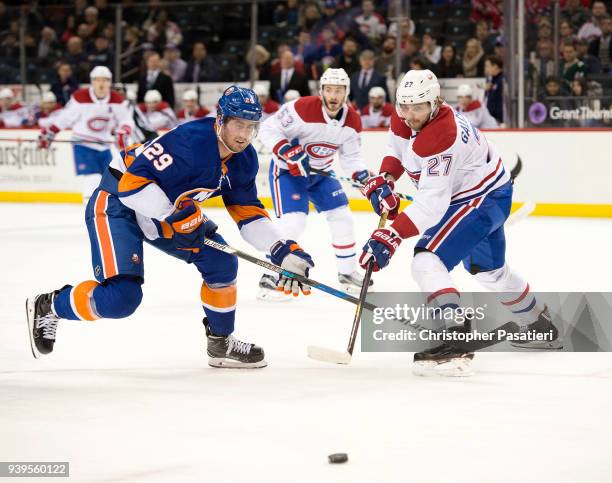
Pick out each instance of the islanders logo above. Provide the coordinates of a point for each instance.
(198, 195)
(321, 150)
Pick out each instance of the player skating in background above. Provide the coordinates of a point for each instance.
(310, 132)
(97, 115)
(152, 193)
(473, 110)
(463, 198)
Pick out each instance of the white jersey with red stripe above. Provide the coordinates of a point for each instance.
(162, 117)
(93, 119)
(15, 116)
(478, 115)
(449, 161)
(322, 137)
(372, 118)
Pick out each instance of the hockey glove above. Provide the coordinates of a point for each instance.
(296, 158)
(381, 246)
(290, 256)
(122, 133)
(190, 226)
(46, 136)
(362, 176)
(380, 193)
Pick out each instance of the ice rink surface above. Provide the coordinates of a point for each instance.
(134, 400)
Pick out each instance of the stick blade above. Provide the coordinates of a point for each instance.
(328, 355)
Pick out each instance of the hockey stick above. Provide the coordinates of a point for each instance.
(300, 278)
(336, 357)
(352, 182)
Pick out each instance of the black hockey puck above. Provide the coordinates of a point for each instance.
(338, 458)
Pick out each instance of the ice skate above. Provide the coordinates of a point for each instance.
(42, 323)
(443, 360)
(352, 282)
(229, 352)
(544, 325)
(268, 291)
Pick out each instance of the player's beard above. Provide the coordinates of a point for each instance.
(332, 110)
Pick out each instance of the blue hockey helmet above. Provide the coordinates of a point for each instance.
(241, 103)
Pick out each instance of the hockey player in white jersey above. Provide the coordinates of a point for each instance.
(473, 110)
(462, 202)
(307, 132)
(98, 117)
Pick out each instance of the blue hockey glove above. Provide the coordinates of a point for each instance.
(381, 246)
(290, 256)
(361, 176)
(190, 226)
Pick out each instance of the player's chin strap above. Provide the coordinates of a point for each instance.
(220, 138)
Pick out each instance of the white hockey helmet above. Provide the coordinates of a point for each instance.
(100, 71)
(6, 93)
(188, 95)
(291, 95)
(152, 96)
(464, 90)
(335, 77)
(377, 91)
(49, 97)
(416, 87)
(261, 90)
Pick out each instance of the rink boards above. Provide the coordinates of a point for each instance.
(565, 172)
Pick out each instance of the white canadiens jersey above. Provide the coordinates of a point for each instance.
(478, 115)
(162, 117)
(371, 118)
(449, 161)
(305, 119)
(93, 119)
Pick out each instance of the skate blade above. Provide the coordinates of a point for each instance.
(224, 363)
(555, 345)
(452, 368)
(30, 304)
(328, 355)
(273, 296)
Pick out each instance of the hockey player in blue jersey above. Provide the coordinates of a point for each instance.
(153, 193)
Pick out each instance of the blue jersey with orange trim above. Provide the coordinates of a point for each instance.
(185, 162)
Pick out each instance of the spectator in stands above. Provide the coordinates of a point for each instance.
(275, 66)
(571, 66)
(591, 63)
(449, 65)
(201, 68)
(174, 66)
(92, 21)
(385, 61)
(286, 14)
(545, 30)
(486, 37)
(163, 31)
(591, 29)
(9, 51)
(348, 60)
(473, 110)
(12, 114)
(601, 47)
(69, 29)
(329, 49)
(287, 79)
(566, 33)
(377, 113)
(158, 113)
(291, 95)
(410, 51)
(106, 14)
(154, 79)
(132, 56)
(488, 10)
(371, 24)
(101, 53)
(553, 88)
(268, 106)
(494, 87)
(575, 13)
(191, 108)
(65, 84)
(473, 59)
(49, 49)
(406, 30)
(260, 57)
(84, 32)
(366, 78)
(304, 50)
(310, 16)
(79, 10)
(48, 109)
(430, 49)
(77, 59)
(543, 62)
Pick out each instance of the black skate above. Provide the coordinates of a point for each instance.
(229, 352)
(268, 292)
(544, 325)
(443, 360)
(352, 282)
(42, 323)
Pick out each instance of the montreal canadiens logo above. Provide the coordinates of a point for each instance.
(321, 150)
(98, 123)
